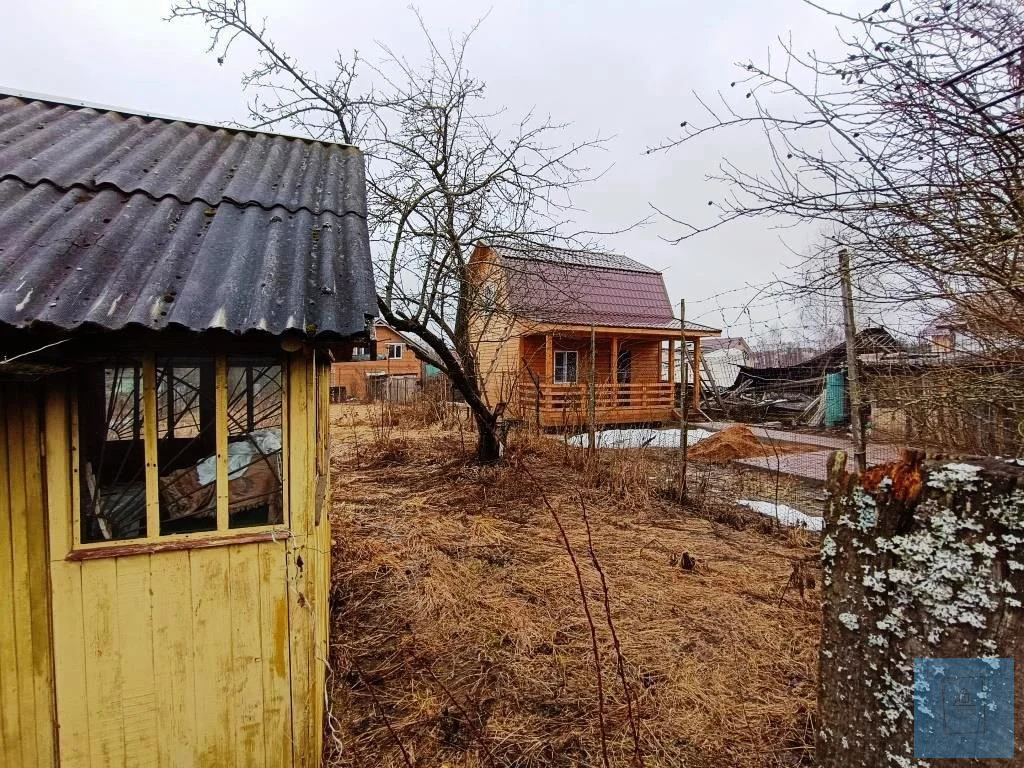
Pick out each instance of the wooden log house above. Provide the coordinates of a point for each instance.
(537, 315)
(170, 298)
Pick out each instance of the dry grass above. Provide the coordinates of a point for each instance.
(459, 631)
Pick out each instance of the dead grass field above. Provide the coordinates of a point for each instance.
(460, 638)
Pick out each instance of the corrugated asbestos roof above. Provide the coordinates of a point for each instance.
(589, 289)
(109, 220)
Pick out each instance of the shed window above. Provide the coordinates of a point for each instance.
(566, 366)
(186, 443)
(255, 402)
(395, 351)
(112, 458)
(173, 445)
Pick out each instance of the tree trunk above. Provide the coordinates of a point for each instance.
(462, 374)
(921, 560)
(488, 445)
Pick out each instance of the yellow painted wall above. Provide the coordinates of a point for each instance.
(26, 663)
(201, 657)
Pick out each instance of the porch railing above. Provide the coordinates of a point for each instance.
(573, 398)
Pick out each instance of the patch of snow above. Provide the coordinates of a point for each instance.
(639, 438)
(785, 515)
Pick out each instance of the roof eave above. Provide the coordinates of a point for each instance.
(651, 330)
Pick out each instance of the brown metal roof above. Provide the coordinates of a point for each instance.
(589, 289)
(110, 219)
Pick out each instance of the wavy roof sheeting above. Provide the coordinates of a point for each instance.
(111, 220)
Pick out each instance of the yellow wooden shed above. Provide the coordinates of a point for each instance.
(171, 298)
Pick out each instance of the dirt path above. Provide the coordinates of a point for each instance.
(809, 465)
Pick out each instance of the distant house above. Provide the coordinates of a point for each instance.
(723, 358)
(392, 366)
(170, 297)
(532, 330)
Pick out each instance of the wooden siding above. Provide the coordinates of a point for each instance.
(498, 359)
(205, 656)
(495, 337)
(27, 724)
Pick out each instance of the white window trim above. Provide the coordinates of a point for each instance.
(565, 367)
(401, 350)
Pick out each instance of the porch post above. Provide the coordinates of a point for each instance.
(671, 361)
(696, 373)
(549, 358)
(615, 371)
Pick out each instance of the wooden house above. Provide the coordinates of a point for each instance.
(393, 366)
(536, 316)
(170, 296)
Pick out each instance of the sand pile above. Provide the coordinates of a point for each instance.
(739, 442)
(735, 442)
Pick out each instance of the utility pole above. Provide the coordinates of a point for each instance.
(852, 371)
(684, 402)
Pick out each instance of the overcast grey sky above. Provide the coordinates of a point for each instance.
(619, 69)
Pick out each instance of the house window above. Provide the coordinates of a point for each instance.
(566, 366)
(179, 445)
(360, 353)
(395, 351)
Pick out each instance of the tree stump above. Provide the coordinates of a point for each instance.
(922, 559)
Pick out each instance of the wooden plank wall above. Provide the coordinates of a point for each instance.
(309, 556)
(646, 359)
(27, 724)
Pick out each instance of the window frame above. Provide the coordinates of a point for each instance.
(150, 435)
(401, 350)
(565, 366)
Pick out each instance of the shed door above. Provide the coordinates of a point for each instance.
(164, 657)
(26, 660)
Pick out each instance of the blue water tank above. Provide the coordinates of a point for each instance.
(835, 399)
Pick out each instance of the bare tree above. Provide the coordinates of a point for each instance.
(906, 149)
(443, 174)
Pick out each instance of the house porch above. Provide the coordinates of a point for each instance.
(635, 372)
